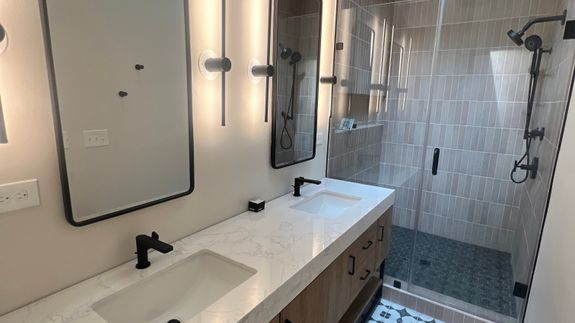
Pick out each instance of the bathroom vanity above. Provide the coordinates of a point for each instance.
(313, 258)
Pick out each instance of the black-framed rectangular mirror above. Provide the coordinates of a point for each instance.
(296, 48)
(120, 76)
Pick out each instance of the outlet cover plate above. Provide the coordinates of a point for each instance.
(19, 195)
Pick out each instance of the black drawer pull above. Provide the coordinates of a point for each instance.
(287, 321)
(369, 243)
(367, 273)
(381, 233)
(352, 272)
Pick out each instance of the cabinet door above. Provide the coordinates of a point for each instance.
(339, 283)
(307, 306)
(323, 301)
(383, 236)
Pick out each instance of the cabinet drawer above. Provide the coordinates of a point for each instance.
(363, 260)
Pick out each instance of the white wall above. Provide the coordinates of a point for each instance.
(553, 289)
(40, 252)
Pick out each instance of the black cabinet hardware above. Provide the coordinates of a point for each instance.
(367, 273)
(123, 94)
(369, 243)
(139, 67)
(381, 232)
(352, 272)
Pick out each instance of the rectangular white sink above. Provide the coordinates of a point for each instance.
(178, 292)
(327, 204)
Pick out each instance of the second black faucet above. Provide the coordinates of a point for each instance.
(299, 181)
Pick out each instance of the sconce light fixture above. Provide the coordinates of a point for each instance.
(3, 137)
(257, 71)
(211, 64)
(3, 39)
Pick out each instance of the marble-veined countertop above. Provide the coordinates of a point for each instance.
(288, 248)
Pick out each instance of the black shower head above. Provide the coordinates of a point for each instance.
(285, 52)
(515, 37)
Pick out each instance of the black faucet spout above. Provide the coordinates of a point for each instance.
(298, 183)
(145, 243)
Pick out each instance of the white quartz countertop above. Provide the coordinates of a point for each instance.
(287, 247)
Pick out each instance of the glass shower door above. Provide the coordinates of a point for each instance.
(380, 107)
(471, 245)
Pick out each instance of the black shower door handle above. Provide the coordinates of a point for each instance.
(435, 161)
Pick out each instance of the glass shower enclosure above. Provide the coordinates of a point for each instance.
(430, 101)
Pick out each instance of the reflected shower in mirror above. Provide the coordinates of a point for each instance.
(296, 48)
(365, 66)
(121, 82)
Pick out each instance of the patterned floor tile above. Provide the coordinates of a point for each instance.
(389, 312)
(473, 274)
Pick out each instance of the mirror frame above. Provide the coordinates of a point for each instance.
(58, 124)
(275, 44)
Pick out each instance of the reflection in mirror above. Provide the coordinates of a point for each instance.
(296, 48)
(120, 78)
(364, 65)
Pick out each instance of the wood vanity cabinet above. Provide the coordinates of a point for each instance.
(338, 293)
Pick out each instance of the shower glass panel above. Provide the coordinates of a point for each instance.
(438, 82)
(380, 107)
(477, 231)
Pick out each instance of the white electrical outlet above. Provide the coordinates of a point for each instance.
(96, 138)
(19, 195)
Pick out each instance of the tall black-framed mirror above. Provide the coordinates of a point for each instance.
(296, 53)
(120, 76)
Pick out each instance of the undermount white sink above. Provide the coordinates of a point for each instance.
(178, 292)
(327, 204)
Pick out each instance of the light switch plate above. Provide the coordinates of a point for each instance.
(96, 138)
(19, 195)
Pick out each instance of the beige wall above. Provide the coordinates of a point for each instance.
(552, 292)
(39, 252)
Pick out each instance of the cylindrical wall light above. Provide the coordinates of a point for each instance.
(211, 64)
(3, 137)
(3, 39)
(3, 46)
(262, 70)
(257, 71)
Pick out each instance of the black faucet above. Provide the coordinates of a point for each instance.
(144, 243)
(299, 181)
